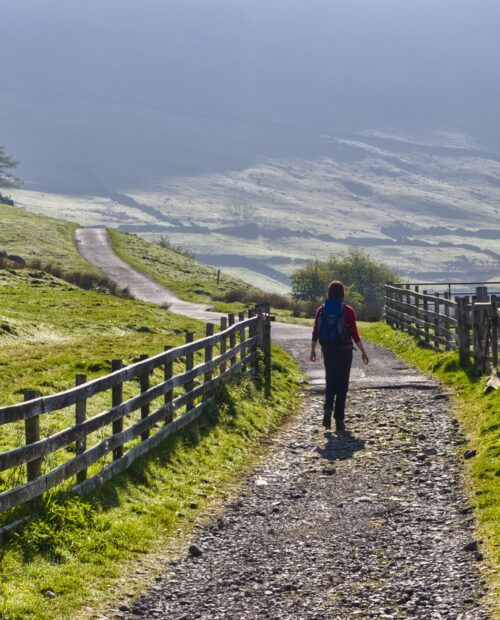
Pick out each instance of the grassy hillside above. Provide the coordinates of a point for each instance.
(188, 278)
(479, 416)
(87, 552)
(39, 237)
(81, 550)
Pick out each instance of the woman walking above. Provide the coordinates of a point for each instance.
(335, 328)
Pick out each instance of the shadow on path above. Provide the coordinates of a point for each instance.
(340, 447)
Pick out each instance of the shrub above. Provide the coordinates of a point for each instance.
(363, 277)
(276, 301)
(165, 242)
(83, 279)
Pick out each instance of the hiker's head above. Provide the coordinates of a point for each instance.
(336, 290)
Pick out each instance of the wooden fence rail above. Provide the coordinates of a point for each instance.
(466, 323)
(187, 389)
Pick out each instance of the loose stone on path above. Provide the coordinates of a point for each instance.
(371, 524)
(368, 524)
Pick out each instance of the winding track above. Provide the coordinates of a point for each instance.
(371, 524)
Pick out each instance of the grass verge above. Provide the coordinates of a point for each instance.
(86, 552)
(479, 416)
(188, 278)
(37, 237)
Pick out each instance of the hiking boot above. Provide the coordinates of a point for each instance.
(339, 426)
(327, 419)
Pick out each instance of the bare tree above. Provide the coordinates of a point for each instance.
(239, 209)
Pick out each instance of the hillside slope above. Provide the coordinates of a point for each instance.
(33, 236)
(188, 278)
(88, 551)
(428, 207)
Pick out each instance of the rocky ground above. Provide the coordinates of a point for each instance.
(372, 523)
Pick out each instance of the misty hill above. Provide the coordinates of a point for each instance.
(429, 209)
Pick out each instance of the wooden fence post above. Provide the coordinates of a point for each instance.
(189, 366)
(399, 307)
(408, 309)
(242, 334)
(436, 320)
(417, 312)
(32, 435)
(482, 293)
(425, 303)
(387, 302)
(232, 338)
(81, 416)
(480, 330)
(463, 333)
(223, 342)
(494, 331)
(117, 399)
(267, 349)
(209, 351)
(144, 383)
(252, 332)
(168, 373)
(447, 319)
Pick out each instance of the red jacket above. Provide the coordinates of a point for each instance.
(350, 323)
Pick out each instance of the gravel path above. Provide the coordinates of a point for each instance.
(370, 524)
(373, 523)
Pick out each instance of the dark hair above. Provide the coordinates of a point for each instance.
(336, 290)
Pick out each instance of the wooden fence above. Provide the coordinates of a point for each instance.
(468, 323)
(236, 345)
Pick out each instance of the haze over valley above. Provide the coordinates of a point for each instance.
(264, 135)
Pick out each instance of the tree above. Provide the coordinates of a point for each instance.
(308, 282)
(363, 277)
(7, 179)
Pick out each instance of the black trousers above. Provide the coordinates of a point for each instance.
(337, 371)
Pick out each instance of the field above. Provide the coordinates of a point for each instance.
(426, 207)
(189, 279)
(37, 237)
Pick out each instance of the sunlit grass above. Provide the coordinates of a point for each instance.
(144, 512)
(87, 552)
(191, 280)
(38, 237)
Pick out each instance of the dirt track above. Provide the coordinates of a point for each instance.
(373, 523)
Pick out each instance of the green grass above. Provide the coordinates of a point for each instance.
(479, 416)
(57, 331)
(38, 237)
(189, 279)
(87, 552)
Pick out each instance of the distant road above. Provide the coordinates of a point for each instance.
(94, 245)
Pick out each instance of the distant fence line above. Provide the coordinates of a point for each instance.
(468, 323)
(237, 345)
